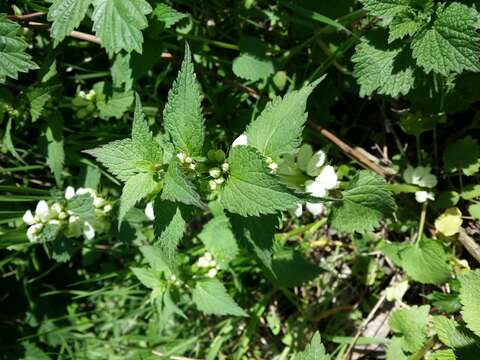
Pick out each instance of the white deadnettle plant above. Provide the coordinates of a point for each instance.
(421, 176)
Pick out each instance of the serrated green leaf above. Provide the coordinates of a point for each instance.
(411, 323)
(386, 9)
(122, 72)
(314, 350)
(250, 67)
(211, 297)
(118, 23)
(463, 155)
(381, 68)
(464, 343)
(182, 115)
(218, 238)
(278, 129)
(62, 248)
(32, 352)
(37, 98)
(177, 187)
(116, 105)
(250, 189)
(394, 351)
(55, 151)
(81, 206)
(65, 16)
(365, 201)
(168, 15)
(425, 262)
(135, 189)
(13, 58)
(291, 269)
(156, 259)
(147, 277)
(470, 299)
(451, 44)
(402, 25)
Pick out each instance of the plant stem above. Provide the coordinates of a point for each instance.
(423, 215)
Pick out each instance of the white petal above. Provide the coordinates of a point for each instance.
(327, 177)
(55, 210)
(42, 210)
(315, 188)
(33, 232)
(83, 191)
(421, 196)
(69, 192)
(28, 218)
(298, 210)
(88, 231)
(149, 213)
(212, 272)
(241, 140)
(98, 202)
(208, 256)
(319, 158)
(315, 209)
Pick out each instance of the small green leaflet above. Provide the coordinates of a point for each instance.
(156, 259)
(13, 58)
(250, 189)
(365, 201)
(168, 15)
(464, 155)
(394, 351)
(451, 44)
(291, 269)
(118, 23)
(55, 151)
(135, 189)
(470, 299)
(278, 129)
(81, 206)
(386, 9)
(313, 351)
(403, 25)
(66, 15)
(411, 323)
(211, 297)
(182, 116)
(464, 343)
(250, 67)
(147, 277)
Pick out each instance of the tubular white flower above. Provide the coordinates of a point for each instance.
(315, 188)
(298, 210)
(83, 191)
(318, 159)
(42, 211)
(55, 210)
(98, 202)
(69, 192)
(88, 231)
(241, 140)
(212, 272)
(422, 196)
(33, 232)
(273, 166)
(315, 209)
(28, 218)
(327, 177)
(149, 213)
(107, 208)
(225, 167)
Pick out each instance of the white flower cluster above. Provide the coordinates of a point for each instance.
(326, 180)
(243, 140)
(421, 176)
(208, 262)
(216, 173)
(73, 226)
(87, 96)
(187, 161)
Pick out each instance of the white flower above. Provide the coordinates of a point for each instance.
(298, 210)
(33, 232)
(215, 172)
(28, 218)
(315, 209)
(327, 177)
(420, 176)
(55, 210)
(98, 202)
(317, 160)
(422, 196)
(225, 167)
(42, 211)
(212, 185)
(83, 191)
(315, 188)
(241, 140)
(273, 166)
(149, 213)
(74, 228)
(212, 272)
(107, 208)
(69, 192)
(88, 231)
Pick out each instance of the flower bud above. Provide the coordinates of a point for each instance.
(215, 172)
(28, 218)
(219, 180)
(225, 167)
(212, 185)
(181, 157)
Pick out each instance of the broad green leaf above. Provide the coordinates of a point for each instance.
(291, 269)
(62, 247)
(81, 206)
(32, 352)
(122, 72)
(156, 259)
(449, 222)
(115, 105)
(463, 155)
(119, 24)
(182, 115)
(147, 277)
(394, 351)
(211, 297)
(38, 97)
(403, 25)
(382, 68)
(474, 211)
(250, 67)
(464, 343)
(386, 9)
(411, 324)
(167, 15)
(451, 44)
(66, 15)
(135, 189)
(425, 262)
(470, 299)
(278, 129)
(177, 187)
(219, 240)
(250, 189)
(55, 151)
(314, 350)
(13, 58)
(364, 202)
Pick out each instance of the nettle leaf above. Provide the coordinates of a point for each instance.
(250, 67)
(55, 151)
(365, 201)
(278, 129)
(314, 350)
(394, 351)
(136, 188)
(168, 15)
(464, 343)
(463, 155)
(386, 9)
(62, 248)
(156, 259)
(218, 238)
(382, 68)
(66, 15)
(121, 72)
(291, 269)
(115, 105)
(211, 297)
(119, 24)
(182, 115)
(81, 206)
(402, 25)
(470, 299)
(147, 277)
(38, 97)
(250, 189)
(13, 58)
(411, 323)
(177, 187)
(451, 44)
